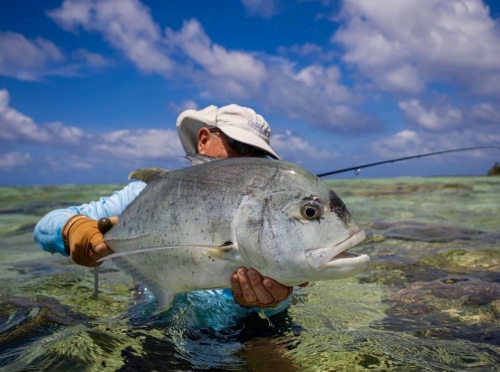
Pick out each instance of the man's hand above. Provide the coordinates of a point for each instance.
(85, 241)
(250, 289)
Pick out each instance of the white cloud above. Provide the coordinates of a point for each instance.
(128, 27)
(90, 58)
(326, 80)
(295, 149)
(311, 94)
(261, 8)
(308, 50)
(402, 45)
(485, 113)
(35, 59)
(120, 149)
(186, 105)
(440, 117)
(139, 144)
(439, 125)
(314, 94)
(409, 143)
(70, 162)
(83, 150)
(14, 159)
(19, 127)
(27, 59)
(487, 84)
(404, 78)
(240, 69)
(404, 143)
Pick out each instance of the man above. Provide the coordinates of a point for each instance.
(226, 132)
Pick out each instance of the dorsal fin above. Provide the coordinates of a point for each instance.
(196, 159)
(147, 174)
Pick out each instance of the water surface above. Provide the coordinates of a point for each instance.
(430, 300)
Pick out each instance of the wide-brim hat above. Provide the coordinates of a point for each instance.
(239, 123)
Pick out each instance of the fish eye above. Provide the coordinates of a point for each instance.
(311, 210)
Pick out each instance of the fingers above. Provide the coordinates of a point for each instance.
(242, 288)
(102, 250)
(235, 285)
(251, 289)
(279, 291)
(99, 251)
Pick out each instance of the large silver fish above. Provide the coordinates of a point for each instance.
(190, 229)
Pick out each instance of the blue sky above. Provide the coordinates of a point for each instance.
(90, 90)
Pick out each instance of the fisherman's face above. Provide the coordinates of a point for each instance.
(216, 145)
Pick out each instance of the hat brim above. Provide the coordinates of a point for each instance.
(244, 136)
(189, 124)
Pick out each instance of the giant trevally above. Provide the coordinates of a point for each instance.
(191, 228)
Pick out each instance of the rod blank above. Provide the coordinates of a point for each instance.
(359, 167)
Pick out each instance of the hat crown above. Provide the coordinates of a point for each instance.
(243, 118)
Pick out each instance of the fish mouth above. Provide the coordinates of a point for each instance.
(322, 258)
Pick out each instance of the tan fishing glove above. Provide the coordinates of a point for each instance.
(81, 236)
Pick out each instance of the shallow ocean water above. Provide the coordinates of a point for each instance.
(430, 300)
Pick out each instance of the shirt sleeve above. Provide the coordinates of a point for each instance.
(48, 231)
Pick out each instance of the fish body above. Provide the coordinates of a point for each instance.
(190, 229)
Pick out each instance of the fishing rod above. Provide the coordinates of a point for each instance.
(359, 167)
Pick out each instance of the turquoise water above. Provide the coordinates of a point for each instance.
(430, 300)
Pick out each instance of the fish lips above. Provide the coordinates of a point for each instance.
(330, 257)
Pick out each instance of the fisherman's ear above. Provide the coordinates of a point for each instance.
(204, 137)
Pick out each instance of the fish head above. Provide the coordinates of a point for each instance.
(300, 231)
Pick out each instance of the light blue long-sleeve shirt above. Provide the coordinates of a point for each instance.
(48, 233)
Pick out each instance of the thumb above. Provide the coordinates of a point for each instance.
(106, 223)
(102, 250)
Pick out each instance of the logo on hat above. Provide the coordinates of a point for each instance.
(261, 128)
